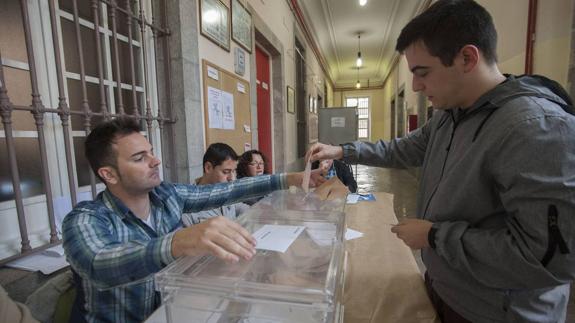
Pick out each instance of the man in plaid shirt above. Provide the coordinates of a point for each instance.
(133, 228)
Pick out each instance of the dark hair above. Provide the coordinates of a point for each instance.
(217, 153)
(245, 159)
(98, 145)
(448, 25)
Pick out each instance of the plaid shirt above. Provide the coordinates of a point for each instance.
(115, 254)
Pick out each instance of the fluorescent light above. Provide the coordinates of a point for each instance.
(362, 2)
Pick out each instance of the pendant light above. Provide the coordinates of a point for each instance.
(358, 62)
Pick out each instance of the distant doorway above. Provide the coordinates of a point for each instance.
(264, 111)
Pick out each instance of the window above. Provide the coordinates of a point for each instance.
(120, 79)
(362, 104)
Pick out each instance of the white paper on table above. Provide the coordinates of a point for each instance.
(352, 198)
(351, 234)
(57, 251)
(45, 264)
(306, 176)
(229, 121)
(277, 237)
(215, 109)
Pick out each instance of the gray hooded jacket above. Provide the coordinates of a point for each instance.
(498, 182)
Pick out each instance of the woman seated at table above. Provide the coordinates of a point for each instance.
(251, 163)
(337, 168)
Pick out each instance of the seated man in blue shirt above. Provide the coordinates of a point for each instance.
(220, 163)
(134, 228)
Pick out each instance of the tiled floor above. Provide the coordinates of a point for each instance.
(404, 186)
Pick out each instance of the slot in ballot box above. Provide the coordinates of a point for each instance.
(303, 284)
(300, 201)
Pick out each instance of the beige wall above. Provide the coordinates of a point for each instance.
(551, 51)
(377, 107)
(279, 18)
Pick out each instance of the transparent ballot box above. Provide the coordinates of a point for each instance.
(300, 201)
(302, 284)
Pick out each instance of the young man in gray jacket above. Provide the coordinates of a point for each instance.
(496, 205)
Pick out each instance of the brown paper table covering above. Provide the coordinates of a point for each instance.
(383, 282)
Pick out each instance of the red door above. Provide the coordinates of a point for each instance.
(264, 111)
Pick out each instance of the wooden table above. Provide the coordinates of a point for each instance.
(383, 282)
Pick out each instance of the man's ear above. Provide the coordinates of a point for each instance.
(109, 174)
(470, 55)
(208, 167)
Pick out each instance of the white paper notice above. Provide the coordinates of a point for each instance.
(247, 128)
(213, 73)
(338, 122)
(214, 108)
(47, 262)
(241, 88)
(277, 237)
(352, 234)
(352, 198)
(229, 121)
(247, 146)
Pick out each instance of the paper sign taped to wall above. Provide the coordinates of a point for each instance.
(213, 73)
(337, 122)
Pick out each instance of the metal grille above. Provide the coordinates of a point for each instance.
(80, 62)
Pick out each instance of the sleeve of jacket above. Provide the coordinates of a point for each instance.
(195, 198)
(345, 175)
(533, 169)
(97, 254)
(408, 151)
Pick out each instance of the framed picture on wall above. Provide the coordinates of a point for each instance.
(215, 22)
(241, 25)
(290, 99)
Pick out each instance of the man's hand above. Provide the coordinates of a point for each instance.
(315, 180)
(331, 189)
(413, 232)
(218, 236)
(321, 151)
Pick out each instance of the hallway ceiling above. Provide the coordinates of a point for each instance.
(335, 25)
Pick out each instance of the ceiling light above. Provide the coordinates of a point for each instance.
(358, 62)
(362, 2)
(357, 85)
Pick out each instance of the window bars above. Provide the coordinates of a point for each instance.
(127, 83)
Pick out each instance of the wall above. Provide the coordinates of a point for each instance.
(377, 107)
(278, 17)
(551, 52)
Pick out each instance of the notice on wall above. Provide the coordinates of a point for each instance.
(213, 73)
(247, 146)
(229, 120)
(215, 110)
(220, 109)
(338, 122)
(241, 88)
